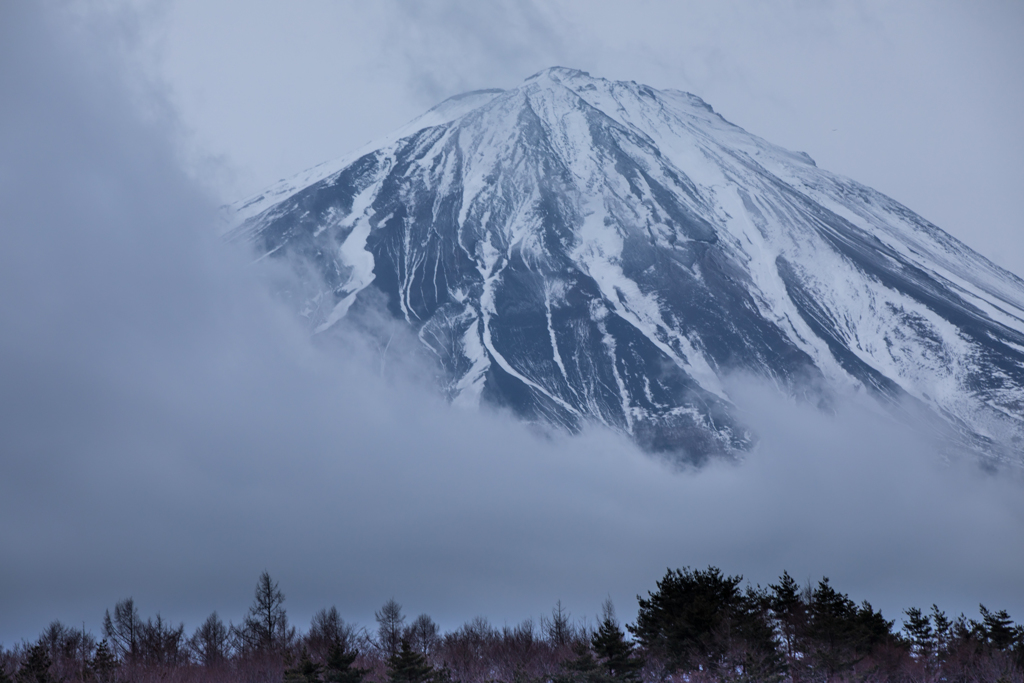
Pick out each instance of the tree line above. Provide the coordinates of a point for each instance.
(696, 626)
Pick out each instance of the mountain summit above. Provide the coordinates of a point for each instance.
(588, 250)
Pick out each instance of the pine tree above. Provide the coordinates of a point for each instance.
(687, 621)
(870, 628)
(36, 668)
(104, 663)
(790, 611)
(611, 647)
(997, 628)
(943, 631)
(326, 630)
(919, 631)
(830, 625)
(339, 666)
(306, 671)
(583, 668)
(756, 655)
(409, 666)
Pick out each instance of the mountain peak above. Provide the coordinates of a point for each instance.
(608, 252)
(558, 72)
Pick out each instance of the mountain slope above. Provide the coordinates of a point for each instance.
(580, 249)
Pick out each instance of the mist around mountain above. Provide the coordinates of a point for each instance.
(582, 251)
(169, 430)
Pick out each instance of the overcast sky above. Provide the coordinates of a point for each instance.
(168, 432)
(920, 99)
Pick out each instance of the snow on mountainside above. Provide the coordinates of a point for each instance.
(580, 249)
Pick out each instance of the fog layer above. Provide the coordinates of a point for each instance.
(168, 431)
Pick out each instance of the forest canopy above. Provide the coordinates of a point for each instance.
(696, 625)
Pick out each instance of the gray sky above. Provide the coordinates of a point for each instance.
(168, 432)
(920, 99)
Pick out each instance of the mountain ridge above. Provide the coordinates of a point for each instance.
(587, 250)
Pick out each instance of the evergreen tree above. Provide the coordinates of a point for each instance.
(943, 629)
(612, 648)
(997, 628)
(840, 633)
(104, 663)
(326, 630)
(306, 671)
(870, 628)
(920, 633)
(4, 678)
(583, 668)
(36, 668)
(755, 654)
(789, 611)
(339, 666)
(700, 620)
(831, 618)
(409, 666)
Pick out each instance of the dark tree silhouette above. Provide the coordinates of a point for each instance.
(339, 667)
(701, 620)
(423, 635)
(390, 621)
(160, 643)
(209, 643)
(559, 629)
(265, 629)
(306, 671)
(104, 663)
(997, 628)
(409, 666)
(123, 630)
(326, 630)
(582, 668)
(788, 611)
(613, 651)
(36, 668)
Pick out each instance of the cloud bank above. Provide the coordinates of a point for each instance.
(169, 431)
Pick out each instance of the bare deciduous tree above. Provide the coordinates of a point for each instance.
(559, 629)
(390, 621)
(423, 635)
(209, 643)
(265, 629)
(161, 644)
(122, 630)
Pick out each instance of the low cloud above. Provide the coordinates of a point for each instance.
(169, 431)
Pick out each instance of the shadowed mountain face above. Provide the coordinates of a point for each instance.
(585, 250)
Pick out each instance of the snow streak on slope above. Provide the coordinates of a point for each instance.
(580, 249)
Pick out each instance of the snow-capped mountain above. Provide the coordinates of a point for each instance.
(580, 249)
